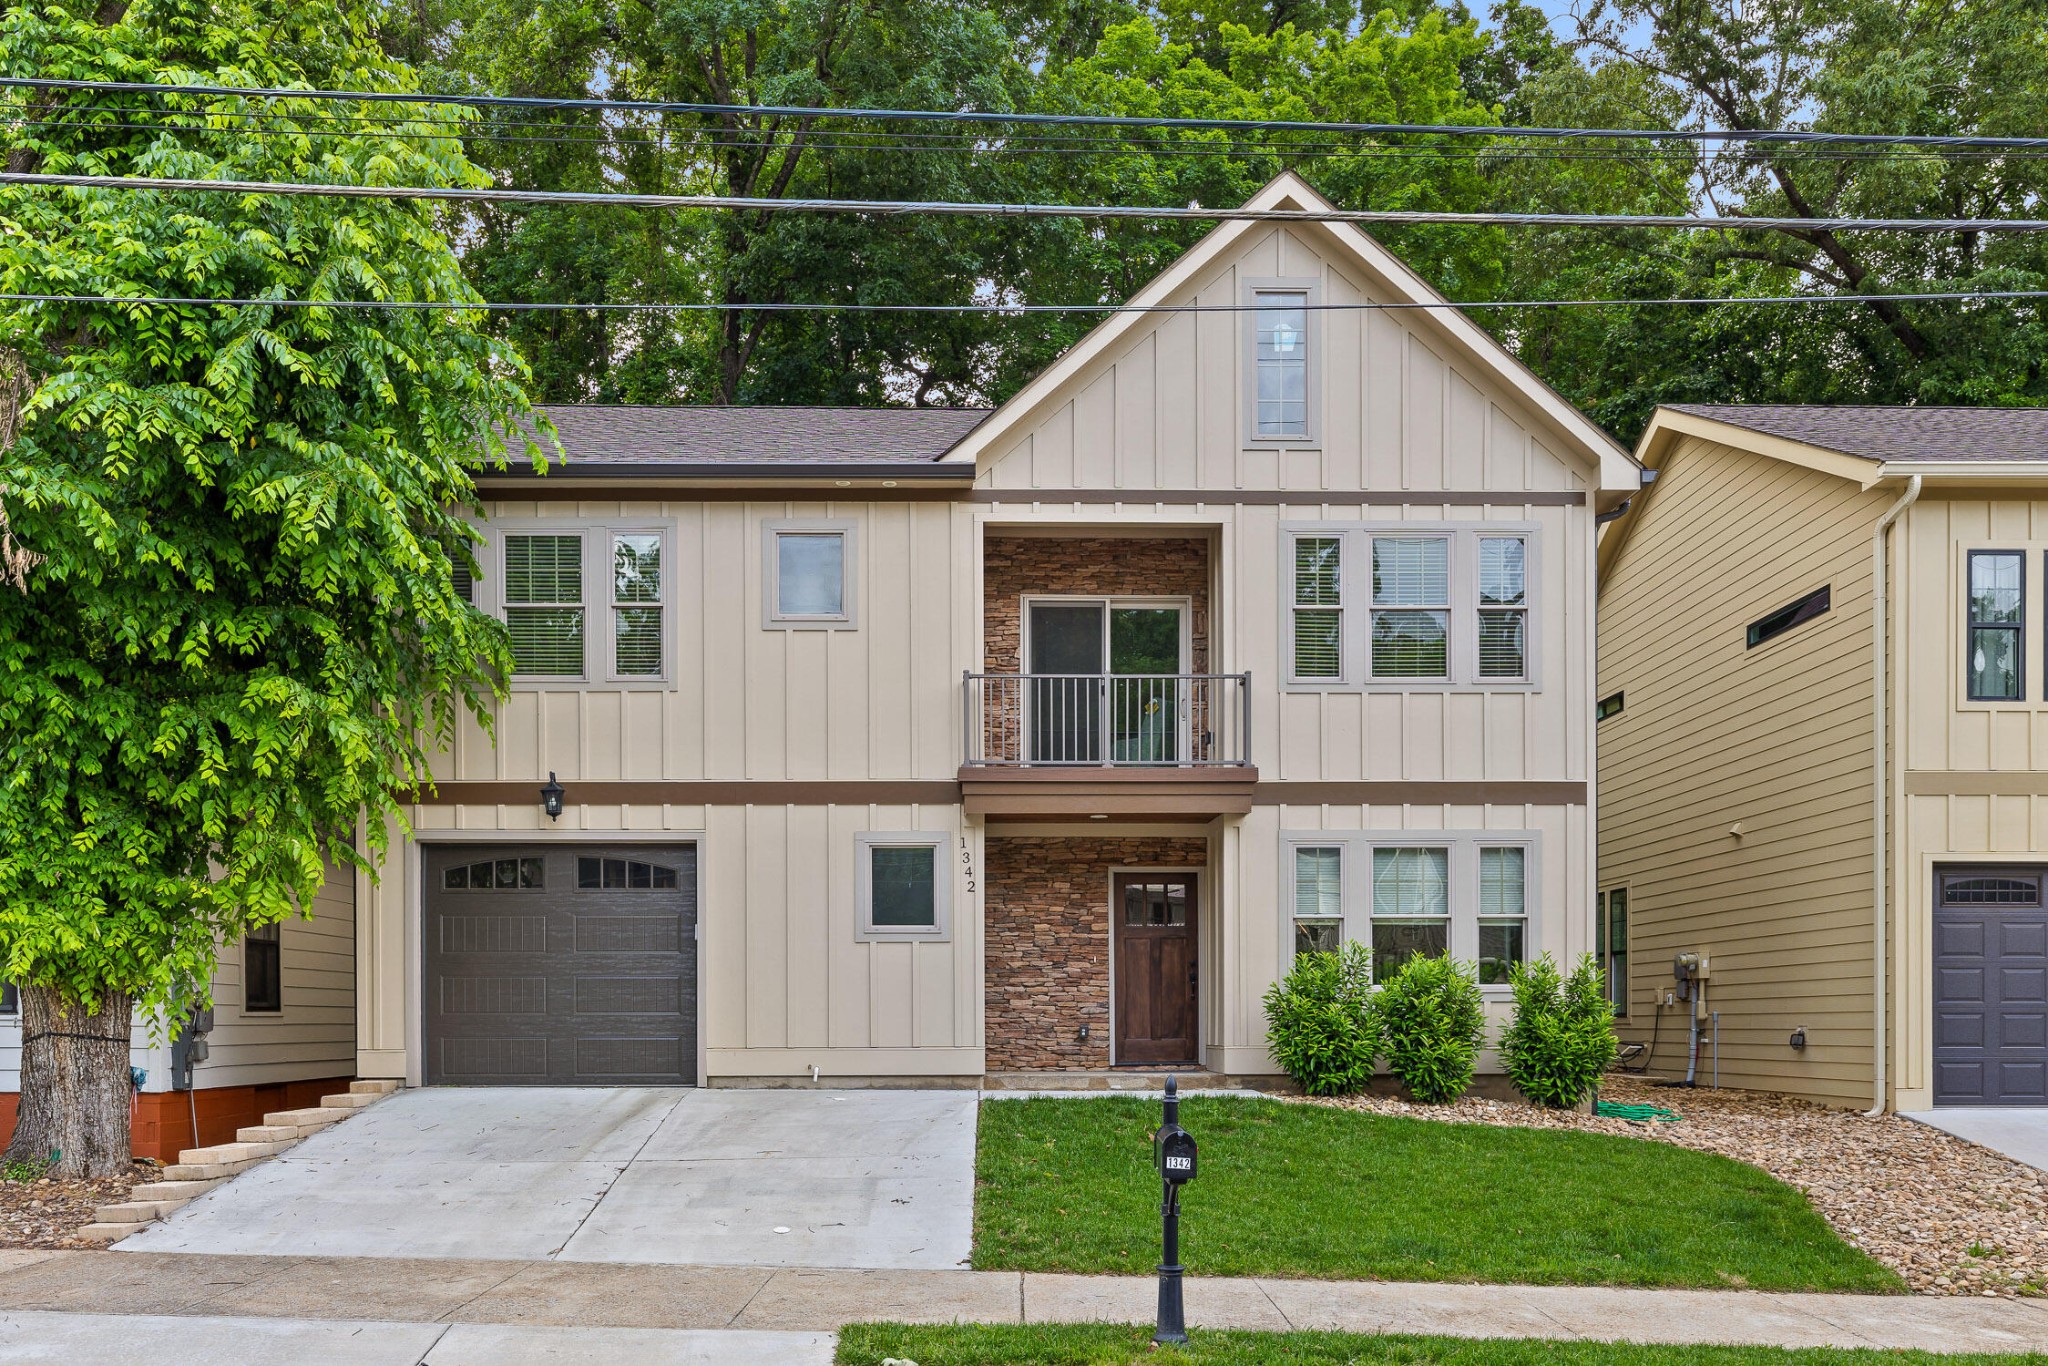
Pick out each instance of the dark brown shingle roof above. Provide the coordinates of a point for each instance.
(615, 435)
(1893, 433)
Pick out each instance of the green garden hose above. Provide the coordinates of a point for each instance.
(1608, 1109)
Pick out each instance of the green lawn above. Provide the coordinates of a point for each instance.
(1100, 1344)
(1304, 1190)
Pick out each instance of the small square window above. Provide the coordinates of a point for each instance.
(809, 575)
(903, 888)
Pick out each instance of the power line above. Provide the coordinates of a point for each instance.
(889, 208)
(1773, 135)
(1008, 309)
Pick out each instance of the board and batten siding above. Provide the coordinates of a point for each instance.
(1955, 749)
(1775, 739)
(312, 1038)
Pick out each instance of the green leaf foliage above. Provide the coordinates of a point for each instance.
(1562, 1036)
(1320, 1022)
(1432, 1022)
(241, 640)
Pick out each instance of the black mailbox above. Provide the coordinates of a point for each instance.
(1173, 1152)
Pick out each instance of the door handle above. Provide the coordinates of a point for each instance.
(1191, 977)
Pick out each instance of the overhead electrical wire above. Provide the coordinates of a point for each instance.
(1007, 309)
(887, 208)
(979, 116)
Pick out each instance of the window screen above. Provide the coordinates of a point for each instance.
(1997, 613)
(1411, 607)
(636, 604)
(1318, 614)
(263, 970)
(1503, 608)
(544, 604)
(1282, 363)
(902, 893)
(1318, 900)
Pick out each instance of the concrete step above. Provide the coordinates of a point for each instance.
(104, 1233)
(136, 1211)
(304, 1119)
(267, 1133)
(171, 1190)
(207, 1171)
(375, 1086)
(228, 1152)
(349, 1100)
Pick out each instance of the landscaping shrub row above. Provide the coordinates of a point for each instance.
(1329, 1026)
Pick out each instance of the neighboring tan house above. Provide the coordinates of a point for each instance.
(920, 744)
(283, 1035)
(1850, 828)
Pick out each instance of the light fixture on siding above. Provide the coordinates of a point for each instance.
(551, 798)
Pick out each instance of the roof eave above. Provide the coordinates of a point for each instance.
(729, 470)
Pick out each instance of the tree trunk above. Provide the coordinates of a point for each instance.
(75, 1092)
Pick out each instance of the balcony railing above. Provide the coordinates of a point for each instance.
(1109, 720)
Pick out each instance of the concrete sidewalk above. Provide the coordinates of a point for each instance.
(591, 1296)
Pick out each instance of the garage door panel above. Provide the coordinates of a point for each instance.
(1990, 987)
(561, 966)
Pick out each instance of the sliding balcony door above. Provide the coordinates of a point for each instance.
(1103, 680)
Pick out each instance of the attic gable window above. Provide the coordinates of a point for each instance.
(1281, 346)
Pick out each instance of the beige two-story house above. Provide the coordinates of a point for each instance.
(1824, 752)
(852, 745)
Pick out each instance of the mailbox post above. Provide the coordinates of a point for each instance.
(1173, 1152)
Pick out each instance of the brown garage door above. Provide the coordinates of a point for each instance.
(553, 966)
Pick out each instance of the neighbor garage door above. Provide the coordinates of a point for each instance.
(561, 966)
(1990, 987)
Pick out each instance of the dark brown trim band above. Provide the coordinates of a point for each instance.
(654, 491)
(849, 793)
(1288, 497)
(1419, 794)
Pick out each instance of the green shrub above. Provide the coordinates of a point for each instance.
(1320, 1021)
(1562, 1037)
(1431, 1022)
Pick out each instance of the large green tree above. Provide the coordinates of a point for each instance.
(236, 637)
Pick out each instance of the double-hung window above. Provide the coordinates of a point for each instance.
(584, 603)
(1411, 607)
(1995, 649)
(1610, 944)
(1503, 911)
(1318, 898)
(1280, 364)
(1411, 906)
(1410, 604)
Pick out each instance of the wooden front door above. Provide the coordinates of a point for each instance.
(1153, 915)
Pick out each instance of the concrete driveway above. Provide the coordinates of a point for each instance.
(881, 1179)
(2018, 1131)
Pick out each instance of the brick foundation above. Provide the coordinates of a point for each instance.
(1139, 567)
(1047, 940)
(162, 1126)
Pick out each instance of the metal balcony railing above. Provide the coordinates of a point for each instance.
(1114, 720)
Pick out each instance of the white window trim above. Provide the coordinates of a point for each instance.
(1355, 605)
(847, 618)
(599, 641)
(940, 842)
(1248, 388)
(1464, 847)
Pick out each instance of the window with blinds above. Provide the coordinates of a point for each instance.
(1280, 349)
(1411, 907)
(1502, 912)
(1318, 899)
(1411, 607)
(544, 610)
(636, 605)
(1503, 608)
(1318, 607)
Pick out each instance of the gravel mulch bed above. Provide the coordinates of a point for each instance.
(46, 1212)
(1950, 1217)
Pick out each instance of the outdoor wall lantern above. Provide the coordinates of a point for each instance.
(551, 798)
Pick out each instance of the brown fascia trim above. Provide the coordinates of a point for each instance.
(958, 472)
(1420, 794)
(1286, 497)
(844, 793)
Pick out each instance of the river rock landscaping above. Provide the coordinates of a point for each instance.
(1950, 1217)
